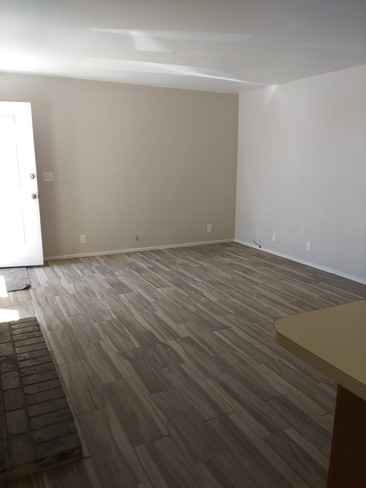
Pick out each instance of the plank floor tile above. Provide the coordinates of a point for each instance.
(168, 361)
(116, 462)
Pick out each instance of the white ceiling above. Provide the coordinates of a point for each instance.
(215, 45)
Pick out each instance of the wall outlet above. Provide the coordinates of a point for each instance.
(82, 239)
(308, 246)
(274, 237)
(209, 227)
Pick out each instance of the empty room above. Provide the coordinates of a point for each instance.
(183, 244)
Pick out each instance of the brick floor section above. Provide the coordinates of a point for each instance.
(37, 429)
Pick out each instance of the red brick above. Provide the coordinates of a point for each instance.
(44, 396)
(10, 380)
(53, 431)
(3, 446)
(47, 407)
(2, 417)
(28, 342)
(3, 457)
(19, 324)
(34, 361)
(21, 449)
(16, 422)
(39, 368)
(9, 363)
(33, 354)
(4, 333)
(26, 336)
(45, 385)
(51, 418)
(42, 429)
(13, 399)
(38, 378)
(23, 320)
(31, 347)
(6, 349)
(27, 328)
(64, 448)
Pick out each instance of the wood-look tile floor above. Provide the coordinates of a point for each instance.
(169, 364)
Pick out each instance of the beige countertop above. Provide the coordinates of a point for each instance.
(332, 340)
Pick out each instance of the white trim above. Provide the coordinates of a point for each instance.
(302, 261)
(136, 249)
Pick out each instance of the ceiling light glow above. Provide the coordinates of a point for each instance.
(14, 61)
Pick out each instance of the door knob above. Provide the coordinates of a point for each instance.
(34, 196)
(32, 176)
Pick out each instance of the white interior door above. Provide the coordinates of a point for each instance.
(20, 226)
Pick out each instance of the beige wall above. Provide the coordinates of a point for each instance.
(160, 163)
(302, 170)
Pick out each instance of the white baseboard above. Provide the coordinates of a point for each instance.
(302, 261)
(135, 249)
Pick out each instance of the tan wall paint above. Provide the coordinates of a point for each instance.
(156, 162)
(302, 170)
